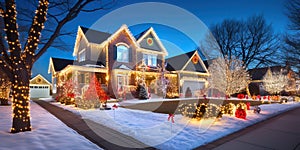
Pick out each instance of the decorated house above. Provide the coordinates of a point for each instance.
(121, 60)
(256, 86)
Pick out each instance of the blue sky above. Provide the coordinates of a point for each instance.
(208, 11)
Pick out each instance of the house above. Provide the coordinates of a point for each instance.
(39, 87)
(256, 86)
(120, 60)
(190, 70)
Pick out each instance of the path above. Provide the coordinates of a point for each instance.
(103, 136)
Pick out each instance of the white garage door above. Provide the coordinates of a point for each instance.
(193, 85)
(39, 91)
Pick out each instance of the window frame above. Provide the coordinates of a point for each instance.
(123, 47)
(151, 57)
(80, 58)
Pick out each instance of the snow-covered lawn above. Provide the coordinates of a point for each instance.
(48, 133)
(154, 128)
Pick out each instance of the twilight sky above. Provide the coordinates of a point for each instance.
(177, 22)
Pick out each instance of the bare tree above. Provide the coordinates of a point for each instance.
(292, 39)
(252, 41)
(274, 82)
(16, 60)
(228, 76)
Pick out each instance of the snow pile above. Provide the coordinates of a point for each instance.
(154, 128)
(48, 133)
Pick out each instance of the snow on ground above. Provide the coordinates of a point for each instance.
(48, 133)
(155, 130)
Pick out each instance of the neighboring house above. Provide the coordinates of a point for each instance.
(39, 87)
(191, 72)
(256, 86)
(119, 60)
(57, 69)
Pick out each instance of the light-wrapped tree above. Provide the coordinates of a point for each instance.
(95, 94)
(4, 89)
(228, 76)
(17, 57)
(274, 82)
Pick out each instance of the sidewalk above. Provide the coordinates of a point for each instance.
(281, 132)
(104, 137)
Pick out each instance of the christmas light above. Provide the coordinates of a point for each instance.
(15, 61)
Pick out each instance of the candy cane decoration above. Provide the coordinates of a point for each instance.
(171, 117)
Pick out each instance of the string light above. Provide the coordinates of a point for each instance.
(19, 62)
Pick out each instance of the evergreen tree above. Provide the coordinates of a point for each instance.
(143, 94)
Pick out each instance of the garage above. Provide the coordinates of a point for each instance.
(39, 87)
(39, 91)
(194, 86)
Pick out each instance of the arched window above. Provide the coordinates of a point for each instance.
(122, 53)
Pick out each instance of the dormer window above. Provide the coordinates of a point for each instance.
(150, 60)
(81, 55)
(122, 53)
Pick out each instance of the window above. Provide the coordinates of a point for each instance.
(82, 55)
(150, 60)
(122, 53)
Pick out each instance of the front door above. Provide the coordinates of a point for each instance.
(121, 83)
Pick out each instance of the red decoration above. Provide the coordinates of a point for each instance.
(248, 105)
(95, 91)
(149, 41)
(114, 106)
(195, 59)
(71, 95)
(258, 97)
(246, 97)
(171, 117)
(240, 113)
(269, 97)
(241, 96)
(204, 96)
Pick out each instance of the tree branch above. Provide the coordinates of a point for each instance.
(11, 31)
(103, 7)
(73, 12)
(35, 31)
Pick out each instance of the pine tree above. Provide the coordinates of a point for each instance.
(143, 94)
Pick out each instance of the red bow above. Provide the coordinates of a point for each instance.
(114, 106)
(171, 116)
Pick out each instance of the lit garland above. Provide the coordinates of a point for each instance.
(210, 110)
(201, 111)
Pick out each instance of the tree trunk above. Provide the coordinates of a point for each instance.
(20, 102)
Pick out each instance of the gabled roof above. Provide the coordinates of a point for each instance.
(39, 76)
(94, 36)
(144, 34)
(185, 63)
(177, 62)
(259, 73)
(57, 64)
(138, 36)
(127, 31)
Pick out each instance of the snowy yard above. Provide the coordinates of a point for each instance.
(155, 130)
(48, 133)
